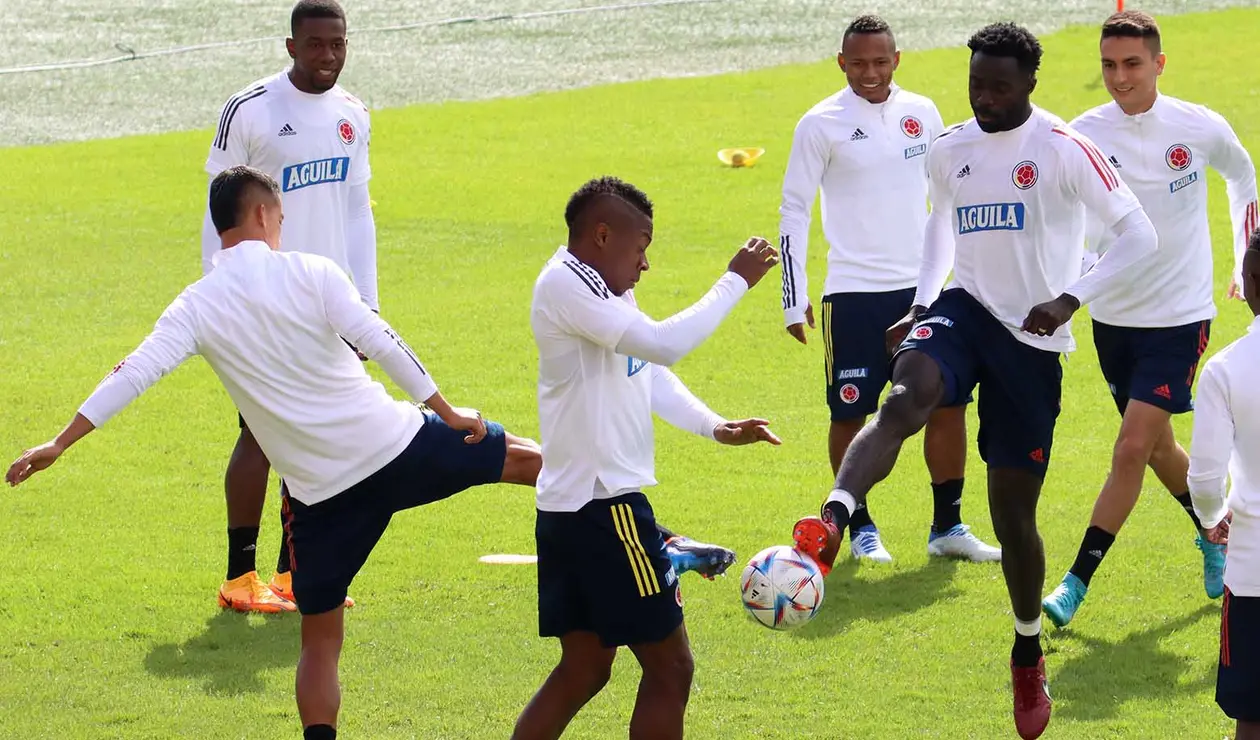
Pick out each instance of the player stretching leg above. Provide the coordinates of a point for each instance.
(603, 578)
(866, 148)
(1007, 190)
(1150, 335)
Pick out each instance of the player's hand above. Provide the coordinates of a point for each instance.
(467, 420)
(1235, 290)
(745, 432)
(32, 461)
(896, 334)
(1045, 318)
(1219, 535)
(754, 260)
(798, 330)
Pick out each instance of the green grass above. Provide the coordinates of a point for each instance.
(108, 626)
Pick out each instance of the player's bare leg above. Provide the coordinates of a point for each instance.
(317, 686)
(1143, 428)
(917, 389)
(584, 668)
(523, 462)
(245, 489)
(864, 540)
(1013, 495)
(664, 688)
(945, 451)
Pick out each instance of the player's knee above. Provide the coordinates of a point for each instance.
(1132, 452)
(524, 461)
(905, 410)
(586, 675)
(673, 672)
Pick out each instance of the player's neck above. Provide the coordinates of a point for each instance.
(1016, 122)
(233, 237)
(1140, 107)
(300, 84)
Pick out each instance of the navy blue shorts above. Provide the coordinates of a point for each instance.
(1238, 673)
(330, 541)
(1020, 385)
(1154, 366)
(855, 353)
(603, 569)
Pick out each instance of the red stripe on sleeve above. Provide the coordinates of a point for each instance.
(1095, 158)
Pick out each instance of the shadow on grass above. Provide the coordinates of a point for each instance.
(1095, 684)
(231, 653)
(847, 599)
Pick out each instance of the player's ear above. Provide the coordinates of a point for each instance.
(602, 233)
(1160, 61)
(1032, 83)
(290, 46)
(896, 59)
(840, 60)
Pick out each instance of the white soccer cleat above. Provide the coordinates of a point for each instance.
(959, 542)
(866, 545)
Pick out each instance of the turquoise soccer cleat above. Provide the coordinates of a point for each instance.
(1062, 603)
(1213, 567)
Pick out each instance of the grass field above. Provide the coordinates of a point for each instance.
(108, 626)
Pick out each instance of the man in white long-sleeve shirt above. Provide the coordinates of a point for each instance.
(1150, 334)
(271, 325)
(1010, 190)
(604, 578)
(311, 136)
(866, 149)
(1225, 446)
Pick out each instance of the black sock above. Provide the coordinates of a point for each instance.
(1027, 650)
(946, 505)
(838, 514)
(319, 732)
(242, 542)
(1188, 505)
(1093, 549)
(861, 517)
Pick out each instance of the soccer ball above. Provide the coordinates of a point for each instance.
(782, 589)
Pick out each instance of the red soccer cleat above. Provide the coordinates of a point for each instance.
(818, 539)
(1032, 699)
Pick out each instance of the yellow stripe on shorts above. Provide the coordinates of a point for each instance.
(828, 352)
(644, 575)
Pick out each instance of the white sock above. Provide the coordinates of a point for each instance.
(844, 497)
(1029, 629)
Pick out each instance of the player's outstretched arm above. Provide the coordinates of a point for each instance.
(674, 402)
(666, 342)
(170, 343)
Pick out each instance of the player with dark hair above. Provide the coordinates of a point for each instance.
(1151, 336)
(1224, 483)
(866, 149)
(604, 578)
(310, 135)
(1010, 190)
(270, 325)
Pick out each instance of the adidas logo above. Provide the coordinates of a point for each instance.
(1096, 553)
(287, 131)
(966, 170)
(1163, 392)
(858, 135)
(1114, 162)
(1038, 455)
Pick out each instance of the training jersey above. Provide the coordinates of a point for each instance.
(270, 325)
(1223, 449)
(316, 148)
(594, 405)
(869, 160)
(1163, 156)
(1017, 201)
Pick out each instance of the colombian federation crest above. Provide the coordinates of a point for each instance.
(1024, 175)
(1178, 157)
(849, 393)
(921, 332)
(345, 130)
(910, 126)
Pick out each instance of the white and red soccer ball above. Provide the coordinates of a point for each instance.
(781, 588)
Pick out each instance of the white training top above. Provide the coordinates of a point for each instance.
(270, 325)
(1226, 446)
(1163, 156)
(869, 160)
(598, 383)
(1015, 203)
(316, 148)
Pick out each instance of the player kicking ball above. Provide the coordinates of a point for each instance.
(1010, 190)
(1150, 336)
(604, 580)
